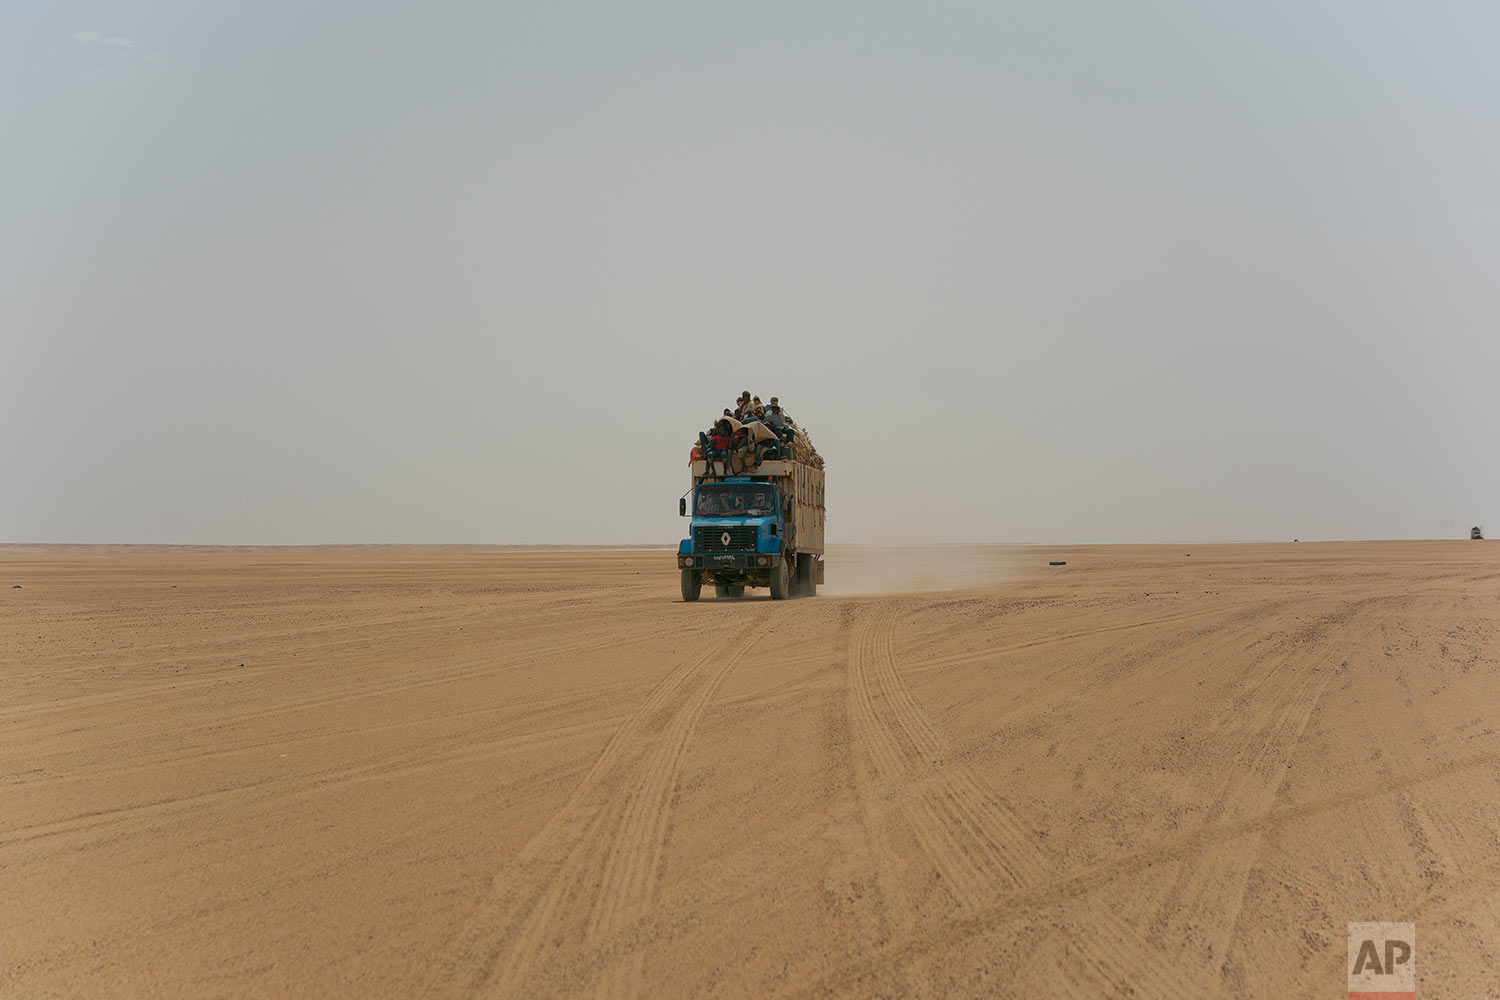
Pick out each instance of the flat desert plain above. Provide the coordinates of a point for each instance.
(1167, 771)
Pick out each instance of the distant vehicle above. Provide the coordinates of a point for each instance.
(762, 529)
(1476, 533)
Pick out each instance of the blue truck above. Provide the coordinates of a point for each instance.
(763, 529)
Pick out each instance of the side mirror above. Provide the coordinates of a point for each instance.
(682, 506)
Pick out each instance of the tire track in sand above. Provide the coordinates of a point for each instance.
(860, 974)
(980, 849)
(975, 841)
(856, 882)
(425, 756)
(592, 869)
(1261, 730)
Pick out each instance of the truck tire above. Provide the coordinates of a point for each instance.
(736, 590)
(781, 580)
(692, 584)
(721, 590)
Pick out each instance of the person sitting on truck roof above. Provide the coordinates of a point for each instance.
(715, 443)
(742, 405)
(778, 421)
(741, 452)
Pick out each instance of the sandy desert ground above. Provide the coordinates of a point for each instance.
(1169, 771)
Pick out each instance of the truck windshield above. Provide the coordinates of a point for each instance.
(736, 500)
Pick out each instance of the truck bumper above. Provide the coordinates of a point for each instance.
(729, 560)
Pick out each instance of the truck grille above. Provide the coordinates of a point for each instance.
(741, 539)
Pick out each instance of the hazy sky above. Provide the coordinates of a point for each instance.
(359, 272)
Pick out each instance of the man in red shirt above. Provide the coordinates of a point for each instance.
(715, 444)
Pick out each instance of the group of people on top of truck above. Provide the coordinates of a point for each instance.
(747, 409)
(748, 434)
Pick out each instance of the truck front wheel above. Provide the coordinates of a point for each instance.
(692, 584)
(781, 580)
